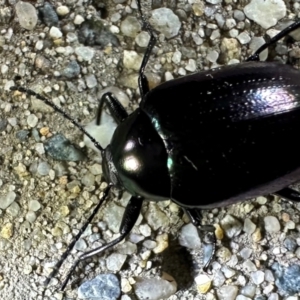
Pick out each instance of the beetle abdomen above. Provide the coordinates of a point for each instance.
(230, 135)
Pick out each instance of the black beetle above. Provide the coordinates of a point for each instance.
(229, 127)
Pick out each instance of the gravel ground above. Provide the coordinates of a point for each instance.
(45, 201)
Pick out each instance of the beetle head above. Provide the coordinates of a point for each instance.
(110, 172)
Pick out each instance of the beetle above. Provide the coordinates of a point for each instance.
(229, 127)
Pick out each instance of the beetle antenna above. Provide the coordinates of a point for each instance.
(143, 82)
(57, 109)
(77, 237)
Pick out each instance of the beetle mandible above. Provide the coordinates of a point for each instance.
(232, 132)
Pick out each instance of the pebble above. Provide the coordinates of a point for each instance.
(219, 278)
(155, 217)
(189, 237)
(248, 291)
(30, 216)
(249, 265)
(55, 32)
(115, 261)
(165, 21)
(27, 15)
(80, 245)
(72, 70)
(104, 287)
(244, 38)
(228, 292)
(7, 200)
(162, 243)
(249, 226)
(145, 230)
(32, 120)
(59, 148)
(13, 209)
(85, 53)
(258, 277)
(144, 288)
(78, 20)
(130, 26)
(203, 282)
(231, 226)
(7, 231)
(272, 224)
(266, 13)
(62, 10)
(132, 60)
(48, 15)
(43, 168)
(34, 205)
(142, 39)
(22, 135)
(223, 254)
(287, 279)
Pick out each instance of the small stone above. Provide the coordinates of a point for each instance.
(248, 291)
(155, 217)
(104, 287)
(218, 279)
(91, 81)
(257, 236)
(59, 148)
(43, 168)
(231, 226)
(62, 10)
(27, 15)
(189, 237)
(44, 131)
(80, 245)
(142, 39)
(88, 179)
(219, 233)
(34, 205)
(125, 285)
(27, 269)
(130, 26)
(203, 282)
(227, 292)
(48, 15)
(249, 265)
(115, 261)
(244, 38)
(78, 20)
(86, 53)
(272, 224)
(165, 21)
(132, 60)
(7, 231)
(144, 288)
(30, 216)
(249, 226)
(266, 13)
(228, 272)
(162, 243)
(7, 200)
(55, 32)
(13, 209)
(223, 254)
(258, 277)
(32, 120)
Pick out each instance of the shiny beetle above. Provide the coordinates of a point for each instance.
(205, 140)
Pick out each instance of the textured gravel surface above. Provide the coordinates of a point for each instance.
(71, 50)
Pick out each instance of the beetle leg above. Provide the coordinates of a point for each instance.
(273, 40)
(210, 247)
(289, 194)
(143, 82)
(130, 217)
(115, 107)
